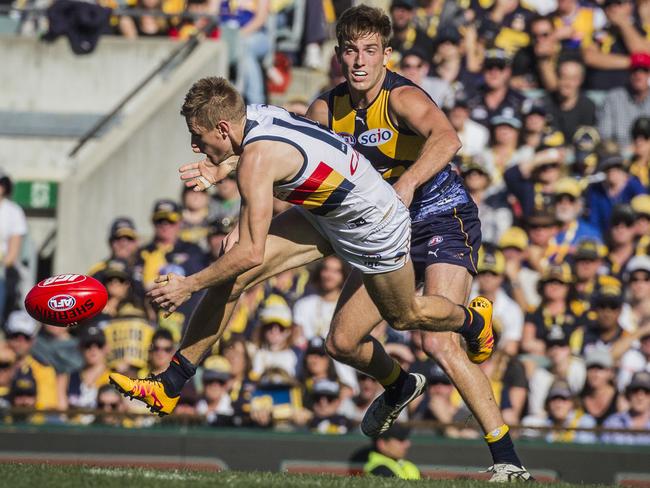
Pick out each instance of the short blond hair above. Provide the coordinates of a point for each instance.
(361, 21)
(211, 100)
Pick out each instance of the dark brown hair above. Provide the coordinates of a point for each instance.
(211, 100)
(361, 21)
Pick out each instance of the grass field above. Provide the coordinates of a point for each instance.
(55, 476)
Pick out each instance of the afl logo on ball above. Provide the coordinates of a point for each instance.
(375, 137)
(61, 303)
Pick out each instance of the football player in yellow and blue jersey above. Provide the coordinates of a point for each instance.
(410, 142)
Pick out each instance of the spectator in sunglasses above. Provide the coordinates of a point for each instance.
(110, 402)
(215, 402)
(21, 331)
(415, 67)
(123, 297)
(161, 351)
(326, 400)
(495, 95)
(605, 330)
(83, 384)
(600, 399)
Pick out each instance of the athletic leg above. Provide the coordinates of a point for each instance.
(292, 242)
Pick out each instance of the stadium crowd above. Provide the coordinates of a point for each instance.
(552, 105)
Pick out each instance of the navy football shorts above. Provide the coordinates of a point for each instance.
(453, 237)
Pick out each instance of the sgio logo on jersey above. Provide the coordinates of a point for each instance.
(375, 137)
(61, 303)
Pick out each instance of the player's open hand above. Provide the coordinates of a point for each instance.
(170, 292)
(202, 175)
(404, 191)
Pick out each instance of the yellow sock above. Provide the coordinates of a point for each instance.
(497, 434)
(394, 374)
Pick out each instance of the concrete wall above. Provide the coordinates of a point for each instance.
(131, 166)
(42, 77)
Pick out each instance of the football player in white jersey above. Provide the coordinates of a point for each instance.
(284, 155)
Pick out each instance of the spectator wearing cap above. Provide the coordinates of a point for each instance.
(326, 401)
(637, 355)
(505, 128)
(621, 240)
(622, 106)
(575, 23)
(415, 66)
(125, 295)
(493, 209)
(495, 94)
(215, 403)
(167, 254)
(532, 180)
(7, 362)
(618, 187)
(521, 280)
(536, 130)
(387, 457)
(21, 330)
(13, 228)
(604, 330)
(541, 227)
(316, 365)
(439, 403)
(83, 384)
(589, 272)
(572, 227)
(275, 343)
(554, 311)
(640, 160)
(641, 207)
(600, 399)
(472, 135)
(635, 418)
(489, 282)
(563, 414)
(637, 279)
(123, 244)
(218, 229)
(355, 408)
(562, 365)
(568, 107)
(406, 35)
(194, 222)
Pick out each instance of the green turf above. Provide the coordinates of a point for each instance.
(55, 476)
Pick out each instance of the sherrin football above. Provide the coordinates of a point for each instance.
(66, 299)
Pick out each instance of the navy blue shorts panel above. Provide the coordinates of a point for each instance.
(452, 237)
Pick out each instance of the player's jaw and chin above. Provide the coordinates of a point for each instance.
(363, 62)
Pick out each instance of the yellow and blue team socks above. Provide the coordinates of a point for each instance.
(501, 447)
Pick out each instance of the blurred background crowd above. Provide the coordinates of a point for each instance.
(551, 101)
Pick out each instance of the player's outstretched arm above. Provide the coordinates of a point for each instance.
(256, 188)
(411, 106)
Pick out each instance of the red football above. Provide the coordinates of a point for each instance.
(66, 299)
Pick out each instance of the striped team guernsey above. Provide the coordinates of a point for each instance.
(392, 149)
(337, 190)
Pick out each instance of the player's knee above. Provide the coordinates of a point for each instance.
(340, 347)
(444, 348)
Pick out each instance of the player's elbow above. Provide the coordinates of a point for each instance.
(254, 257)
(453, 142)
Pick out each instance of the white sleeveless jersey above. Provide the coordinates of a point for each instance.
(342, 194)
